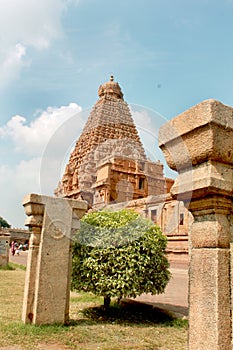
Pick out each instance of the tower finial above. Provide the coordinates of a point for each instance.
(110, 88)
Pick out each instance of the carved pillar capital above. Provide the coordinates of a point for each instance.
(198, 144)
(215, 204)
(34, 210)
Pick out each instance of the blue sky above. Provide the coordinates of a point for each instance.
(166, 55)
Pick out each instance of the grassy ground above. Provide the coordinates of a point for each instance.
(131, 326)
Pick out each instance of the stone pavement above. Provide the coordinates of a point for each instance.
(175, 298)
(20, 259)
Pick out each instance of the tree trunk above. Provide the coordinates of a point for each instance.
(119, 300)
(106, 302)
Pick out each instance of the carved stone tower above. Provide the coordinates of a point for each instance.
(108, 163)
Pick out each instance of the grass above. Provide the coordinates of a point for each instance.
(12, 266)
(7, 267)
(130, 326)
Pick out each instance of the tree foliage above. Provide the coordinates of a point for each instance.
(119, 254)
(4, 223)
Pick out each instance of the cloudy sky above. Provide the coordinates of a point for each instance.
(167, 56)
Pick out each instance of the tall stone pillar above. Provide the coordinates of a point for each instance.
(199, 145)
(53, 222)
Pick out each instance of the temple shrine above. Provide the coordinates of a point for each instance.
(108, 163)
(109, 167)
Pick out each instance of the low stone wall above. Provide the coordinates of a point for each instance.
(4, 249)
(171, 215)
(17, 234)
(178, 248)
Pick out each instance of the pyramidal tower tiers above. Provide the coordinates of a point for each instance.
(108, 163)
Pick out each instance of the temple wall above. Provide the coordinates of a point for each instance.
(171, 215)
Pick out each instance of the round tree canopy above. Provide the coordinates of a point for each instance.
(119, 254)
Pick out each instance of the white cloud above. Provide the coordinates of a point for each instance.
(27, 23)
(31, 138)
(12, 63)
(15, 183)
(41, 145)
(31, 22)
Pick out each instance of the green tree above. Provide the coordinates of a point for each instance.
(4, 223)
(119, 254)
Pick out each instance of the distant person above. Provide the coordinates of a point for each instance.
(25, 246)
(13, 248)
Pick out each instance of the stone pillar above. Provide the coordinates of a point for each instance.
(52, 221)
(199, 145)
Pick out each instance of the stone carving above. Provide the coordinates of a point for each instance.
(57, 229)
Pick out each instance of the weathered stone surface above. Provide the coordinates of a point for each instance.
(47, 283)
(198, 143)
(204, 132)
(210, 231)
(206, 178)
(209, 299)
(4, 248)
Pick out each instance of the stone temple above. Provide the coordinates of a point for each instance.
(109, 168)
(108, 163)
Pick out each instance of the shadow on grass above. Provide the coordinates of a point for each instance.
(130, 313)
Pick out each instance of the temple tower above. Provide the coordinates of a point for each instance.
(108, 163)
